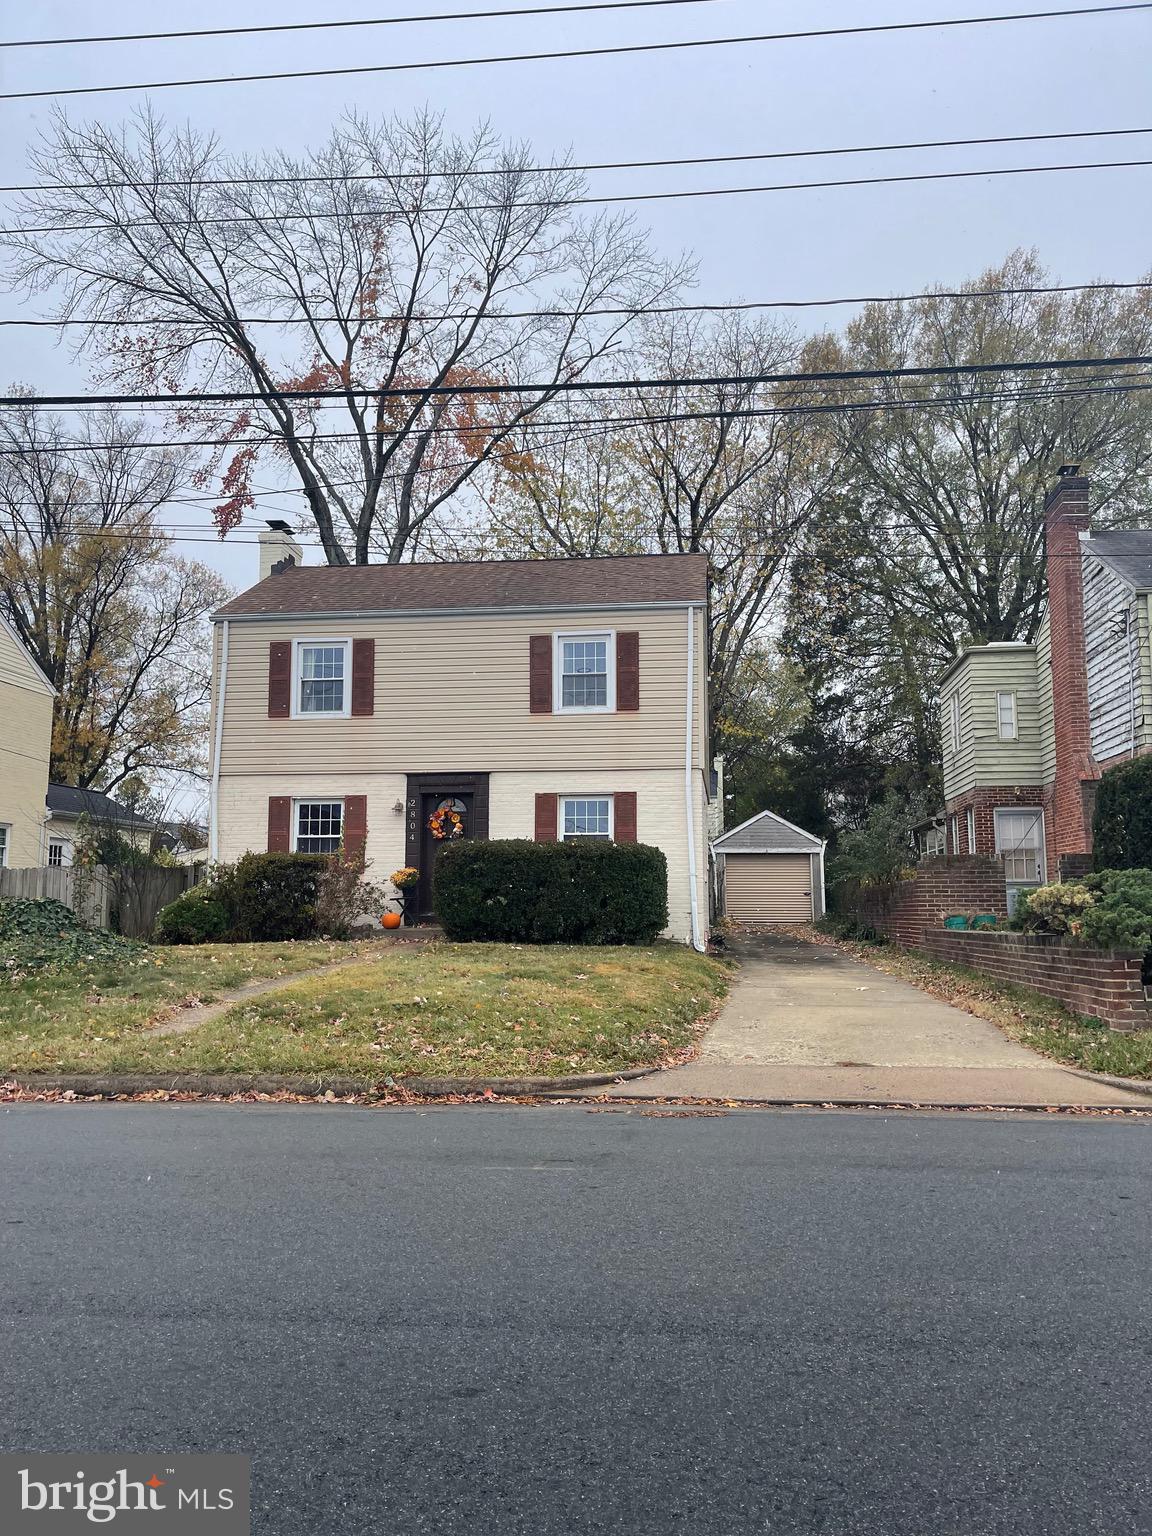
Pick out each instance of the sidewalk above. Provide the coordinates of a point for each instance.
(805, 1023)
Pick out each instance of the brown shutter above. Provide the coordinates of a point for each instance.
(279, 824)
(625, 816)
(355, 826)
(546, 818)
(363, 676)
(628, 670)
(279, 679)
(540, 674)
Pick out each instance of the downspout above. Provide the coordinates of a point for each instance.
(689, 808)
(218, 734)
(823, 887)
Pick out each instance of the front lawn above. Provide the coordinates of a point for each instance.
(470, 1010)
(1034, 1020)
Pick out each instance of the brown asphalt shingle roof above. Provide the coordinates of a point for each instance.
(371, 589)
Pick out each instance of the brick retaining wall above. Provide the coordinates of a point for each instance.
(1101, 983)
(936, 889)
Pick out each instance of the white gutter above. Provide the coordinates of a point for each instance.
(217, 739)
(689, 808)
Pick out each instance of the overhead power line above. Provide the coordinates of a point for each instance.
(582, 53)
(467, 172)
(601, 427)
(579, 386)
(735, 307)
(332, 26)
(276, 219)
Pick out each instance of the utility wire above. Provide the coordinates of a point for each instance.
(540, 170)
(640, 313)
(278, 219)
(618, 424)
(583, 386)
(580, 53)
(329, 26)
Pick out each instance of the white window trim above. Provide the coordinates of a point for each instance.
(5, 846)
(1041, 850)
(321, 714)
(300, 800)
(563, 800)
(953, 844)
(970, 828)
(954, 719)
(1014, 734)
(66, 851)
(558, 707)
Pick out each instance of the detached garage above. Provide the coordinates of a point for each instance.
(768, 871)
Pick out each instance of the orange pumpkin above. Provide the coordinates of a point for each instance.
(390, 920)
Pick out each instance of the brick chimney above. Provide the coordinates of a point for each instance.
(277, 546)
(1066, 517)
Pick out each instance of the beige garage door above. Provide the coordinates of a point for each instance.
(768, 887)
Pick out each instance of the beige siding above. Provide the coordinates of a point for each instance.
(25, 745)
(768, 887)
(452, 694)
(983, 758)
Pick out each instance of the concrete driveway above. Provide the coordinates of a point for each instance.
(805, 1022)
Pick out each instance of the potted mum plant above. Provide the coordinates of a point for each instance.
(403, 880)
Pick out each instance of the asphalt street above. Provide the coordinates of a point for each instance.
(568, 1320)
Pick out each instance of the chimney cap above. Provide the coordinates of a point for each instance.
(278, 525)
(1064, 471)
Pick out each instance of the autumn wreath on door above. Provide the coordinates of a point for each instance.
(447, 821)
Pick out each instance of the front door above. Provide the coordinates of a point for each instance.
(440, 811)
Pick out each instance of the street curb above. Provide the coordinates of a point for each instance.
(1133, 1084)
(113, 1085)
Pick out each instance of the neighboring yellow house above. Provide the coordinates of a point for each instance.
(26, 698)
(548, 699)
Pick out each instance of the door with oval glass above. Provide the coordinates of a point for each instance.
(446, 816)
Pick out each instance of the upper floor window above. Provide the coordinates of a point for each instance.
(954, 721)
(1006, 716)
(321, 685)
(585, 672)
(318, 826)
(588, 819)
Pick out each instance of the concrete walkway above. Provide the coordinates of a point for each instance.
(807, 1023)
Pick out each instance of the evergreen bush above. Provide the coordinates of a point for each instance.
(515, 891)
(1122, 822)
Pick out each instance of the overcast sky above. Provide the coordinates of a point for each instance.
(1015, 77)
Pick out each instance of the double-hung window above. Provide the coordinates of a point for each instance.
(317, 826)
(970, 818)
(5, 838)
(585, 672)
(954, 721)
(1006, 716)
(321, 681)
(59, 853)
(588, 818)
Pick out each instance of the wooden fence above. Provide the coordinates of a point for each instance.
(126, 900)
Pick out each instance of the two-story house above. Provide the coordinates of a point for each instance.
(369, 706)
(1028, 728)
(26, 700)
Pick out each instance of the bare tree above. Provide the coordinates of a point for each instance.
(392, 258)
(89, 582)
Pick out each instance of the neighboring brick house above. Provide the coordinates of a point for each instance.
(362, 706)
(1029, 727)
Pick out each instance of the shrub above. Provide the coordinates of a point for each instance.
(46, 935)
(551, 893)
(1121, 914)
(1056, 908)
(343, 896)
(1122, 822)
(272, 896)
(194, 918)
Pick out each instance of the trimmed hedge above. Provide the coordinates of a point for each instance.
(193, 918)
(1122, 822)
(272, 896)
(515, 891)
